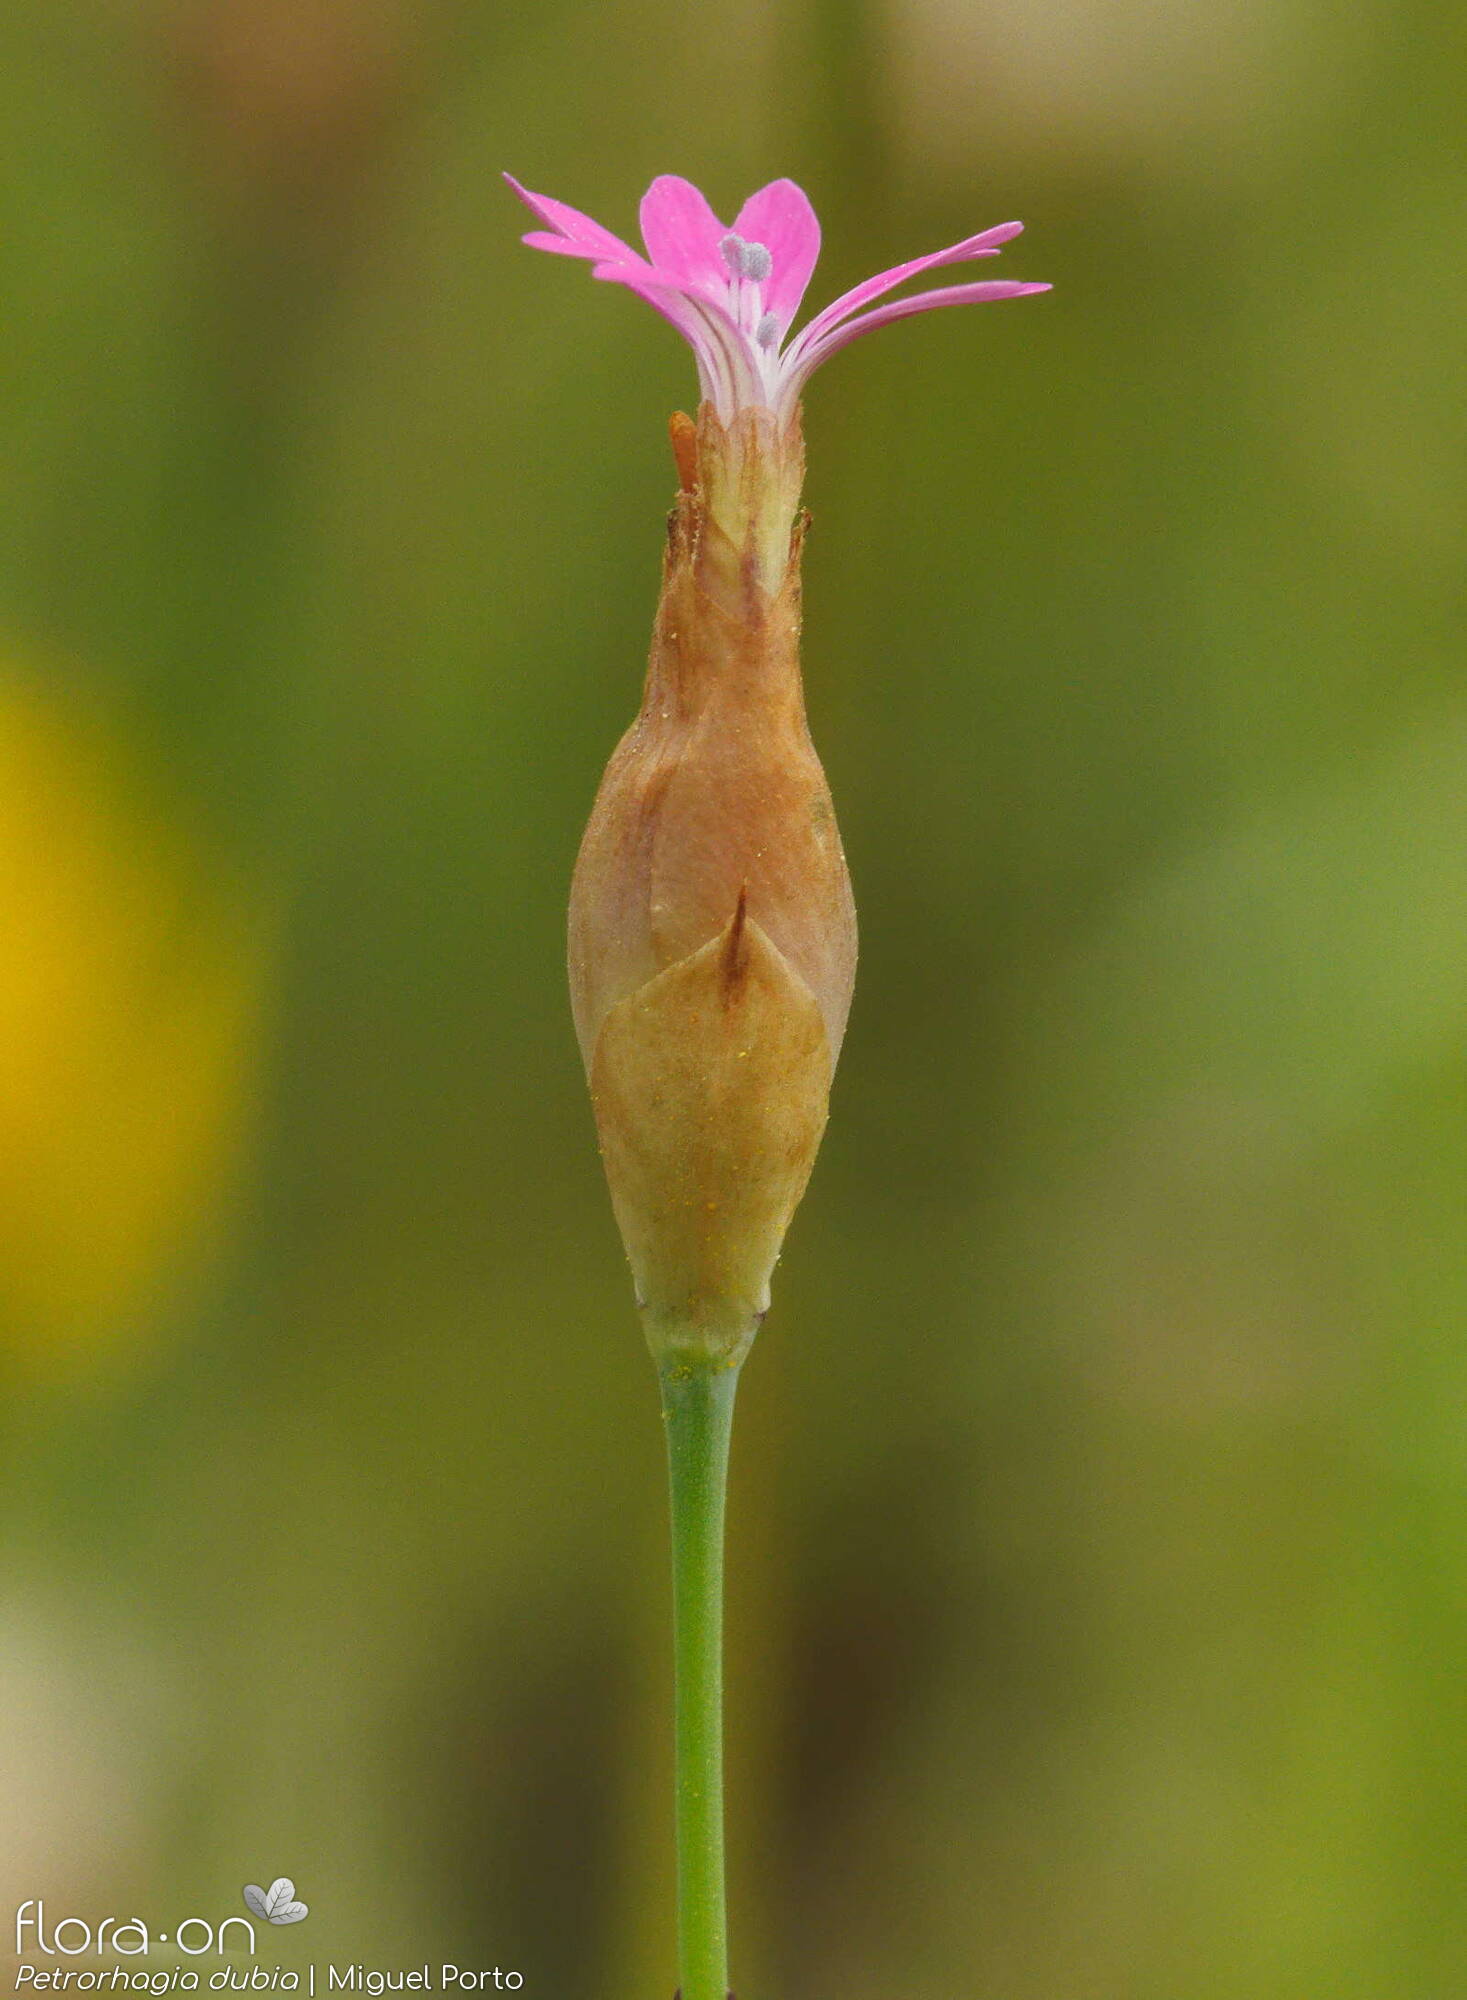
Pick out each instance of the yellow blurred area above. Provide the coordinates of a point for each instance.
(129, 1031)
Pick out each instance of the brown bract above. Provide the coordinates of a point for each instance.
(712, 931)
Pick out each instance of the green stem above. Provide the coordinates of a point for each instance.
(697, 1407)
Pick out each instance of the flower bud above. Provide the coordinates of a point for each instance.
(712, 931)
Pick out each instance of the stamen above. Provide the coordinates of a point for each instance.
(767, 331)
(745, 260)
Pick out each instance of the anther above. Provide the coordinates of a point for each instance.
(745, 260)
(767, 331)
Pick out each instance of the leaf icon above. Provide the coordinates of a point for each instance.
(277, 1904)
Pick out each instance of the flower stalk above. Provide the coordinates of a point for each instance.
(697, 1410)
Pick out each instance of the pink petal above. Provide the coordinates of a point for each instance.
(814, 354)
(574, 234)
(682, 234)
(987, 244)
(780, 217)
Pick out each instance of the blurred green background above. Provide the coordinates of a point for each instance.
(1100, 1500)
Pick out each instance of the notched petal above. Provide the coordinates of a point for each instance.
(682, 234)
(781, 218)
(573, 233)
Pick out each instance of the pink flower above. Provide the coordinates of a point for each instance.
(733, 293)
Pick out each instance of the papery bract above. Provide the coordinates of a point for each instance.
(712, 931)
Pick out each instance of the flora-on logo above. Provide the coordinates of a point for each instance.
(70, 1937)
(277, 1904)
